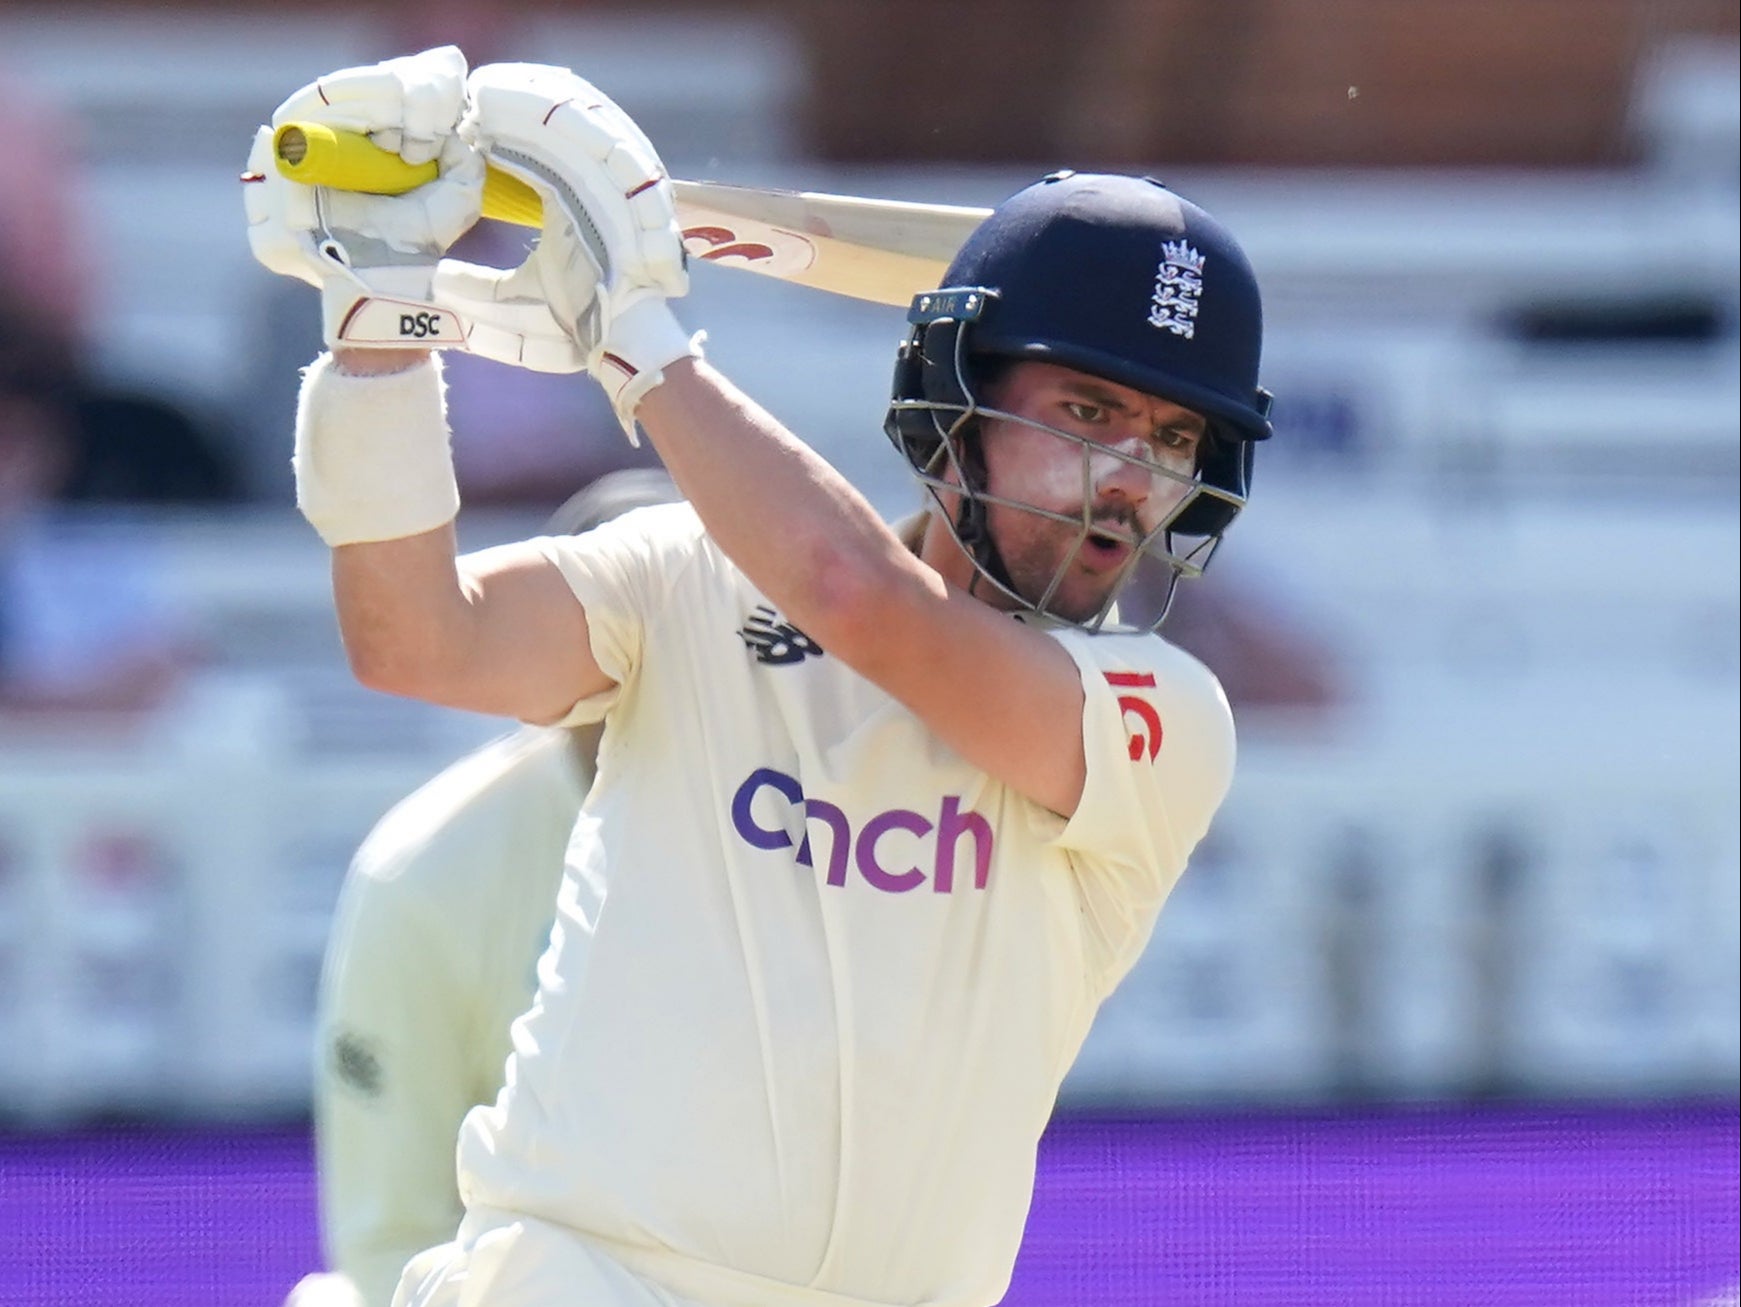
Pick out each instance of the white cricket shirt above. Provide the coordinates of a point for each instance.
(803, 1046)
(432, 955)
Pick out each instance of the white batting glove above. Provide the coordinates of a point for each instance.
(611, 252)
(504, 315)
(373, 257)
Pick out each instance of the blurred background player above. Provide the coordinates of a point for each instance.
(442, 918)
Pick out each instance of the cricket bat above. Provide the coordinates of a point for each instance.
(886, 251)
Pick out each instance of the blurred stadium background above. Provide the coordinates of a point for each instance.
(1445, 1012)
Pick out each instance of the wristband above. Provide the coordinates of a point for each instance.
(372, 455)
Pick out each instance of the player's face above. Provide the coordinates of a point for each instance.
(1068, 441)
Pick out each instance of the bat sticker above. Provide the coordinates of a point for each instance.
(717, 244)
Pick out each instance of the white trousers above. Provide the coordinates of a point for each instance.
(502, 1260)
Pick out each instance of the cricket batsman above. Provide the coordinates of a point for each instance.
(883, 812)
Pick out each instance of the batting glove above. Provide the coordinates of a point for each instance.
(373, 257)
(610, 256)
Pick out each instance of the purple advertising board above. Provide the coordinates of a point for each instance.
(1496, 1207)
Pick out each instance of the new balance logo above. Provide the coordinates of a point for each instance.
(775, 642)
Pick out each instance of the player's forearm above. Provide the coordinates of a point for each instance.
(496, 632)
(798, 529)
(374, 477)
(403, 613)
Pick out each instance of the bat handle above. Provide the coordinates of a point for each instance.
(317, 155)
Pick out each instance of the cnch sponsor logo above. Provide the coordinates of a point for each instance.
(893, 851)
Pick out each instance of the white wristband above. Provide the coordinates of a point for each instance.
(372, 457)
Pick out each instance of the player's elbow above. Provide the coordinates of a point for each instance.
(401, 667)
(376, 667)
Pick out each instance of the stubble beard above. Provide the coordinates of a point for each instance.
(1038, 559)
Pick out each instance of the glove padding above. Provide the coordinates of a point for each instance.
(611, 252)
(372, 256)
(409, 106)
(308, 232)
(376, 258)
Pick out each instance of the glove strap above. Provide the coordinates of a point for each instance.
(372, 455)
(387, 308)
(483, 311)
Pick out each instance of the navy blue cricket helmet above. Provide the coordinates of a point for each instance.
(1115, 276)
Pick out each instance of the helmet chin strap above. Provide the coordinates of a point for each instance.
(972, 526)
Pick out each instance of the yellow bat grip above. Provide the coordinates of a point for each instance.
(317, 155)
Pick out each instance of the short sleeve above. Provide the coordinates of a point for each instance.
(621, 572)
(1157, 734)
